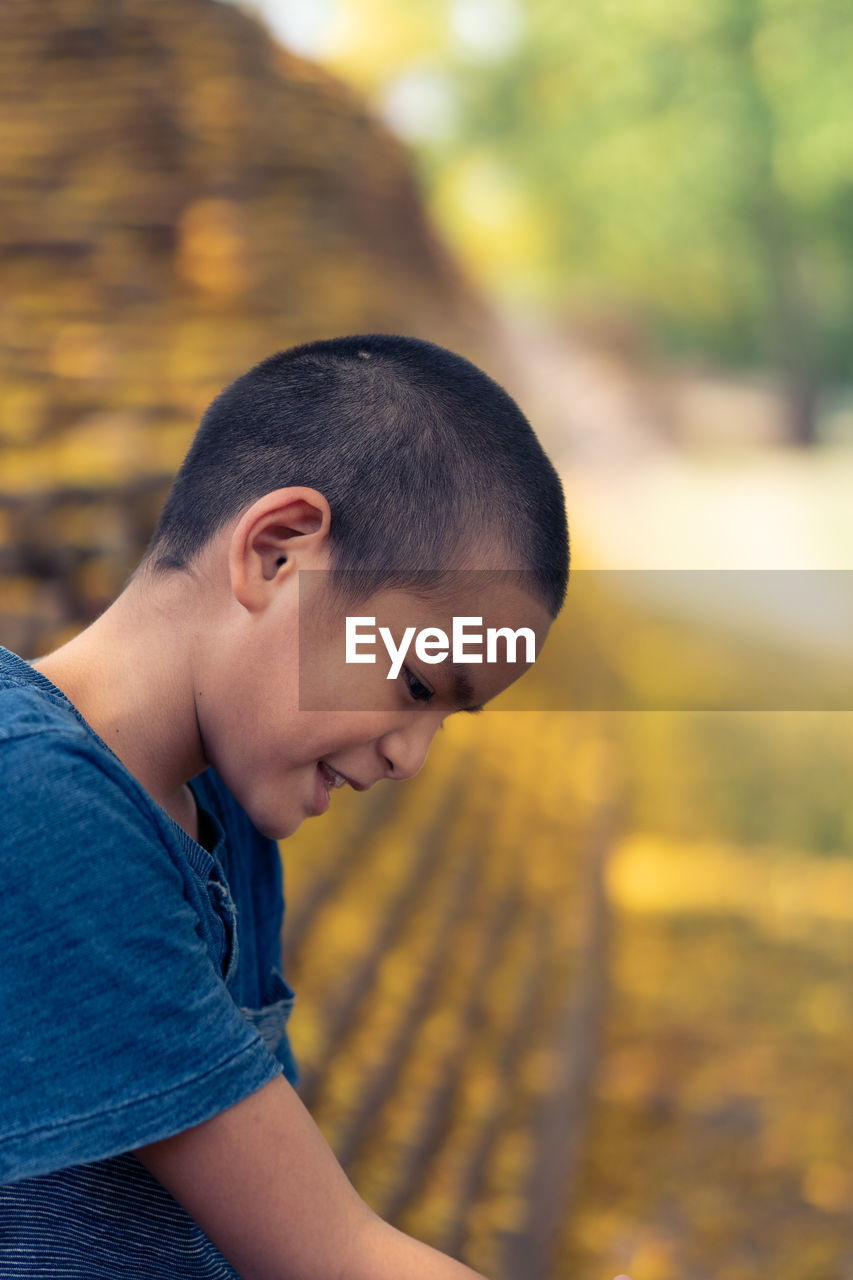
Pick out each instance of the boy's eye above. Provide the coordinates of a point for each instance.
(417, 688)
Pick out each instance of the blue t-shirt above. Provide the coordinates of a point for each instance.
(140, 993)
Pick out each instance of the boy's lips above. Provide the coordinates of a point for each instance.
(330, 776)
(322, 790)
(334, 778)
(328, 779)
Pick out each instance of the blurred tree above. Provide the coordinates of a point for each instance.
(688, 164)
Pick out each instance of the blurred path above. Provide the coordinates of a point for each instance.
(639, 501)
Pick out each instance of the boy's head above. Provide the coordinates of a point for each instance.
(380, 458)
(422, 458)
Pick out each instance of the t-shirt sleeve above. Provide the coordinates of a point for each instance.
(117, 1027)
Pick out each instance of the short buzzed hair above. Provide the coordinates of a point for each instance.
(417, 451)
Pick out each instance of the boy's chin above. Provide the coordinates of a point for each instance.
(278, 826)
(279, 815)
(282, 829)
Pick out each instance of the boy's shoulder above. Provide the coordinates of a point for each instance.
(29, 703)
(44, 739)
(48, 751)
(39, 723)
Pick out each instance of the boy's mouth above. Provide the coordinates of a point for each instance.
(327, 780)
(330, 776)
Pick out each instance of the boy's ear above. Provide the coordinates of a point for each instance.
(274, 537)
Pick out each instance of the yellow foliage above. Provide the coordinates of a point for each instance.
(488, 218)
(81, 351)
(21, 414)
(779, 890)
(829, 1187)
(212, 248)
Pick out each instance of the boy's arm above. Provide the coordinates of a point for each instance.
(263, 1184)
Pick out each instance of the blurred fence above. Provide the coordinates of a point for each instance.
(450, 953)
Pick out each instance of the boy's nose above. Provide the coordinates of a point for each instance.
(406, 749)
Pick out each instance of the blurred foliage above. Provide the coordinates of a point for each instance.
(718, 1144)
(778, 779)
(688, 165)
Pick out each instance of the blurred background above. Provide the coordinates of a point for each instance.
(576, 1000)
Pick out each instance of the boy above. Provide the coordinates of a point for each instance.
(148, 1122)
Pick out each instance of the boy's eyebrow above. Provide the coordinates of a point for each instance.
(463, 690)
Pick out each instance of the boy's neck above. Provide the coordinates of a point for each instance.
(129, 675)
